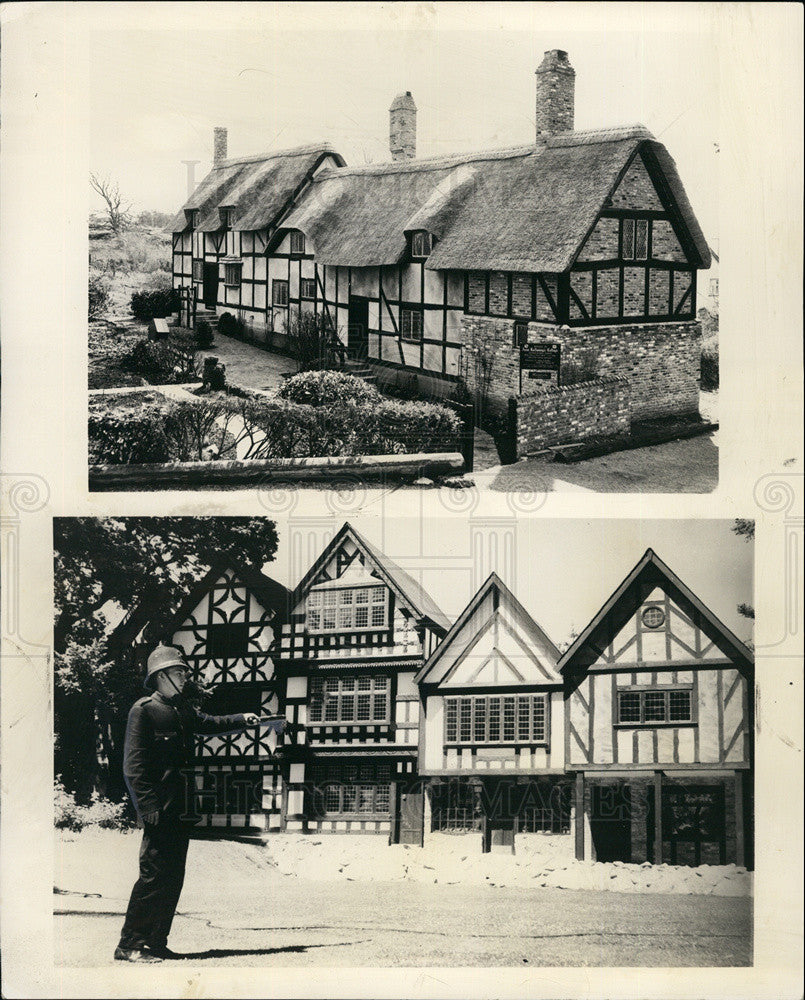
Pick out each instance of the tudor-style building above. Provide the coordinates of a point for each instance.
(659, 697)
(446, 268)
(635, 744)
(226, 627)
(359, 629)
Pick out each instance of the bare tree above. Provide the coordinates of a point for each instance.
(117, 211)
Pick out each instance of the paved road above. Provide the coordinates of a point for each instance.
(296, 922)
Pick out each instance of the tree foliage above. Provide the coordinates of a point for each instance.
(103, 565)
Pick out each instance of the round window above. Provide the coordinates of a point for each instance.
(653, 616)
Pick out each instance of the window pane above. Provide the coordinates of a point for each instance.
(641, 239)
(381, 798)
(362, 595)
(314, 599)
(523, 719)
(329, 598)
(508, 718)
(380, 708)
(378, 616)
(655, 706)
(329, 618)
(330, 708)
(679, 706)
(347, 708)
(349, 797)
(539, 717)
(344, 617)
(378, 595)
(361, 617)
(450, 729)
(494, 719)
(479, 725)
(332, 798)
(628, 239)
(364, 683)
(364, 707)
(466, 720)
(348, 684)
(629, 702)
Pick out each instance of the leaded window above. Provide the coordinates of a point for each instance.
(496, 719)
(363, 699)
(198, 270)
(307, 288)
(279, 292)
(411, 325)
(421, 244)
(345, 609)
(297, 242)
(635, 239)
(350, 789)
(232, 273)
(655, 707)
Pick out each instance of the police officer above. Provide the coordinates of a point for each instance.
(159, 744)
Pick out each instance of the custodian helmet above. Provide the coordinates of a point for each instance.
(162, 658)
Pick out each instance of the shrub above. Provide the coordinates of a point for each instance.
(321, 388)
(709, 364)
(232, 326)
(123, 438)
(203, 334)
(100, 812)
(163, 362)
(98, 296)
(582, 368)
(314, 343)
(156, 303)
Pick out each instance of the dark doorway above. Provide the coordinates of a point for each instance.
(210, 285)
(611, 822)
(693, 827)
(410, 816)
(358, 327)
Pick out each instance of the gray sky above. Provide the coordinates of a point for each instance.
(564, 569)
(282, 75)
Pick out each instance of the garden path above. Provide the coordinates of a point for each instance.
(247, 365)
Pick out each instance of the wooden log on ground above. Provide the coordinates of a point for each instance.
(255, 472)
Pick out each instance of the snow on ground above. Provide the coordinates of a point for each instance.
(104, 862)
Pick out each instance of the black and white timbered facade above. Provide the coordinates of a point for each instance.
(584, 230)
(635, 744)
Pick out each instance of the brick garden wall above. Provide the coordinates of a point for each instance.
(660, 360)
(572, 413)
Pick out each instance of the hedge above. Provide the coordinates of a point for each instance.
(709, 364)
(213, 425)
(155, 304)
(128, 438)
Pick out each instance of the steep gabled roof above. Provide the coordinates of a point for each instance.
(259, 188)
(269, 593)
(434, 670)
(650, 572)
(406, 587)
(529, 208)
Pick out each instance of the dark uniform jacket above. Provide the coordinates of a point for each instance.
(159, 745)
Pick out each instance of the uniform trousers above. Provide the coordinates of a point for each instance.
(156, 892)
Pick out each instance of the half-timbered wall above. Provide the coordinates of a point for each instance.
(632, 265)
(226, 640)
(629, 709)
(350, 753)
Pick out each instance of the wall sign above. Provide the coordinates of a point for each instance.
(540, 357)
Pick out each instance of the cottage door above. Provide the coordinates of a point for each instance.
(358, 328)
(411, 816)
(210, 285)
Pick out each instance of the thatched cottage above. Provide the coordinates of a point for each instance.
(452, 268)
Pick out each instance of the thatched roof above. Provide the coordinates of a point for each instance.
(259, 188)
(523, 209)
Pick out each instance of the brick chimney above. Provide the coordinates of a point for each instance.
(402, 127)
(219, 146)
(556, 86)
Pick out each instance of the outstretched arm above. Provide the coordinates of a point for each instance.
(210, 724)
